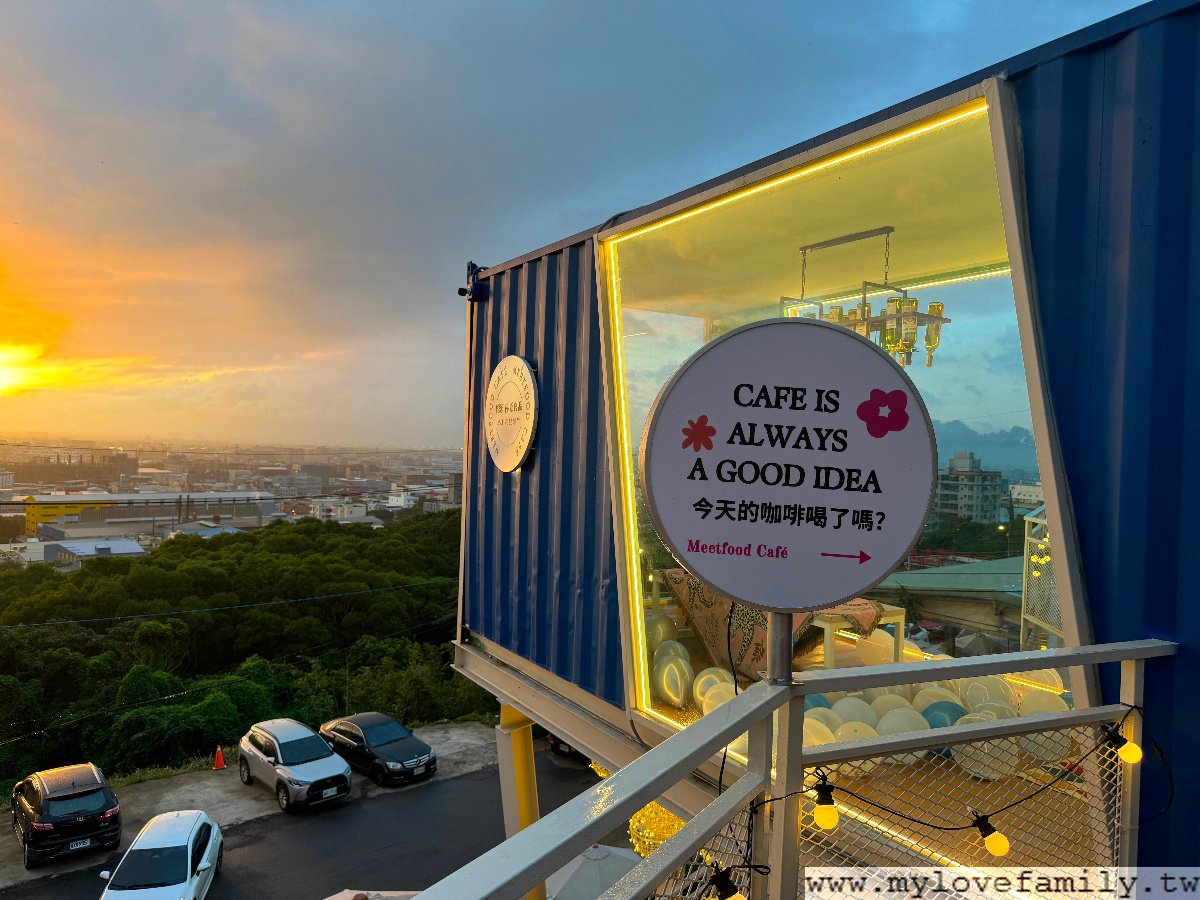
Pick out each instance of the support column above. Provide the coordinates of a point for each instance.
(789, 766)
(1132, 688)
(518, 779)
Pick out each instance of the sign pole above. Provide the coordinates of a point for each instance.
(779, 644)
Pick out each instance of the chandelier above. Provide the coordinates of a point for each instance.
(895, 327)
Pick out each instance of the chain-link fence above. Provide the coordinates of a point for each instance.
(1067, 784)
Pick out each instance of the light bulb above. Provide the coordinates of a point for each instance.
(826, 817)
(1127, 750)
(1130, 752)
(996, 844)
(825, 814)
(993, 841)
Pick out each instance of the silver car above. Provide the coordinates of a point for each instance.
(292, 760)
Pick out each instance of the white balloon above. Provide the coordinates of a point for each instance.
(715, 696)
(671, 648)
(707, 679)
(855, 709)
(672, 680)
(827, 717)
(902, 721)
(932, 695)
(659, 628)
(887, 703)
(877, 648)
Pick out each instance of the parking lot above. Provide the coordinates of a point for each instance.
(462, 749)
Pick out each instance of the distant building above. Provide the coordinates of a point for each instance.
(204, 529)
(323, 471)
(966, 490)
(6, 480)
(99, 508)
(73, 554)
(1025, 498)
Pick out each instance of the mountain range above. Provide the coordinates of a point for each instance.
(1011, 450)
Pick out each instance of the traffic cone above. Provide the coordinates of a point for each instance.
(219, 762)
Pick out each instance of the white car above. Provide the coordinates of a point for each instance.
(175, 856)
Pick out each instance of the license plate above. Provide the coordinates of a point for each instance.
(329, 792)
(79, 845)
(419, 770)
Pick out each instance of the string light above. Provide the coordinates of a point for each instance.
(1126, 749)
(723, 885)
(993, 841)
(826, 813)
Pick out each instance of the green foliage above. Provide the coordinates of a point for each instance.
(965, 536)
(154, 691)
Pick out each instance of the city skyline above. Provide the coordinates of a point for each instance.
(247, 222)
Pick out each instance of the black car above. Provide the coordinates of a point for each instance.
(64, 810)
(381, 747)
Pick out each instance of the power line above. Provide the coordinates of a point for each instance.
(209, 609)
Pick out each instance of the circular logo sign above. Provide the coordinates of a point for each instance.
(789, 464)
(510, 420)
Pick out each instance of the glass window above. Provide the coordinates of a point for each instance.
(150, 868)
(303, 750)
(386, 733)
(77, 804)
(200, 844)
(900, 239)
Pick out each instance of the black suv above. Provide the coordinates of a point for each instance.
(64, 810)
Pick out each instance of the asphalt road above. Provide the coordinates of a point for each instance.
(402, 840)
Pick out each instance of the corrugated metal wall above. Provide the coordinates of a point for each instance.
(1111, 143)
(540, 575)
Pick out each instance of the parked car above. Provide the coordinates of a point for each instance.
(294, 762)
(176, 854)
(381, 747)
(64, 810)
(558, 745)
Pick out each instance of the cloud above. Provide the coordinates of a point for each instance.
(233, 218)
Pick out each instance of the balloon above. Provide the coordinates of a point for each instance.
(943, 713)
(707, 679)
(883, 705)
(659, 628)
(715, 696)
(671, 648)
(855, 709)
(672, 680)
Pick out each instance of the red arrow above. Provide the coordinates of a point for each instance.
(861, 556)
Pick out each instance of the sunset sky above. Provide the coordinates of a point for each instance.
(247, 221)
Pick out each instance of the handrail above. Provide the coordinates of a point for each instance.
(655, 868)
(820, 680)
(543, 848)
(887, 745)
(527, 858)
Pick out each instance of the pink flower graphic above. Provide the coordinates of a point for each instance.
(878, 422)
(699, 434)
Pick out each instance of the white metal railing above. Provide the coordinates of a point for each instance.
(528, 858)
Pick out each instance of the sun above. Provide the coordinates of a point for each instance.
(15, 366)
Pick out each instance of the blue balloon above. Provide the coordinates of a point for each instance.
(811, 700)
(943, 713)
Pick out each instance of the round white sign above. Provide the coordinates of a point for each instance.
(789, 463)
(510, 420)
